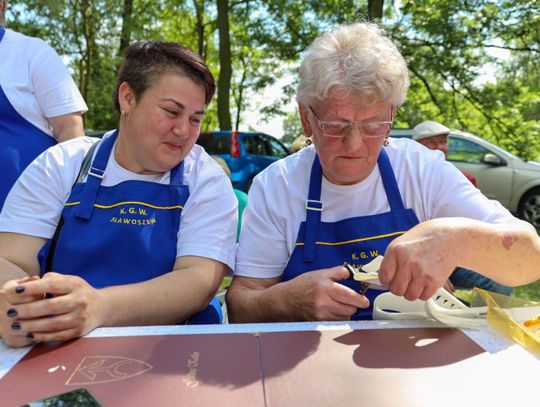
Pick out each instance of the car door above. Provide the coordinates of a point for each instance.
(495, 181)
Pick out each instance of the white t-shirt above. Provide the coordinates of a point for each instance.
(208, 221)
(428, 184)
(35, 80)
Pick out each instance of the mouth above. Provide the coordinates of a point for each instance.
(173, 146)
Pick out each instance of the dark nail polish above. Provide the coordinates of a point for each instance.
(11, 313)
(30, 335)
(15, 326)
(19, 289)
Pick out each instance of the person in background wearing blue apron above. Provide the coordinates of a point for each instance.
(355, 194)
(136, 229)
(40, 104)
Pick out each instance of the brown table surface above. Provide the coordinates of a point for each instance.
(375, 363)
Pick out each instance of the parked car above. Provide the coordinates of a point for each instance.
(501, 175)
(246, 153)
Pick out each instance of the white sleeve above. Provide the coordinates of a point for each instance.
(451, 194)
(262, 250)
(35, 203)
(209, 219)
(53, 85)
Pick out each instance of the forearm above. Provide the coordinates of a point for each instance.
(168, 299)
(262, 304)
(9, 271)
(508, 253)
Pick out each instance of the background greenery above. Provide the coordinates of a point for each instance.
(251, 44)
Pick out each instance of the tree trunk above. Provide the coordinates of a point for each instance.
(375, 9)
(89, 37)
(199, 26)
(125, 35)
(225, 69)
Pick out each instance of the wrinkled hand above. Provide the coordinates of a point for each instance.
(317, 296)
(72, 308)
(419, 262)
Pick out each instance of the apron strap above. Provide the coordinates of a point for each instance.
(389, 182)
(314, 208)
(82, 173)
(95, 175)
(177, 175)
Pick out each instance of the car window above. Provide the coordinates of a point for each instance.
(255, 145)
(465, 151)
(277, 149)
(215, 144)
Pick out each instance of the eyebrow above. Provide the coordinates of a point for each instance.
(181, 105)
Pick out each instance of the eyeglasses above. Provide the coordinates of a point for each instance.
(342, 129)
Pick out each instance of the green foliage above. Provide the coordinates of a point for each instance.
(447, 43)
(292, 127)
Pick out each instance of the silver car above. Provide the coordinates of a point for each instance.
(500, 174)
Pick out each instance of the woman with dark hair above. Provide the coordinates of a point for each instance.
(135, 229)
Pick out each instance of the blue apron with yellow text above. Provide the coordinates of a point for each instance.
(121, 234)
(20, 142)
(356, 241)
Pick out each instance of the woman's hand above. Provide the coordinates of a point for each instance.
(54, 308)
(11, 294)
(419, 262)
(318, 296)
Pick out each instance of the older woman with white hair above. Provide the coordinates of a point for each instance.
(355, 194)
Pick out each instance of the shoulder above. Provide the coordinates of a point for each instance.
(199, 165)
(203, 175)
(25, 43)
(406, 154)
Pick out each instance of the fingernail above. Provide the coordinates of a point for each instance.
(15, 326)
(30, 335)
(19, 289)
(11, 313)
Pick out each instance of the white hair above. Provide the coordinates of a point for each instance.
(358, 58)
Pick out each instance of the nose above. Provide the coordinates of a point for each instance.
(181, 127)
(355, 139)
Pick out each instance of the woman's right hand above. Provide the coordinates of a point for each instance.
(318, 296)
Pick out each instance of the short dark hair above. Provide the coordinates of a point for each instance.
(146, 61)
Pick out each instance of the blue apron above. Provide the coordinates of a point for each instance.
(356, 241)
(120, 234)
(20, 143)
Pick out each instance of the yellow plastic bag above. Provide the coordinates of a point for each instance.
(507, 316)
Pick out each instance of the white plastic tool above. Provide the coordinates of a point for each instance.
(443, 306)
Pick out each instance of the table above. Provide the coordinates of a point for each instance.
(375, 363)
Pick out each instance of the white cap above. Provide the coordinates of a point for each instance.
(429, 128)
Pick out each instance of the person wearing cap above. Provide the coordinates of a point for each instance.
(434, 136)
(355, 194)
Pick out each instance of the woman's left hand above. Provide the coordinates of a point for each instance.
(69, 308)
(419, 262)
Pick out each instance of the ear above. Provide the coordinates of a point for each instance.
(304, 112)
(393, 111)
(126, 97)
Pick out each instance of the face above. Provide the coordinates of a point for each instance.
(349, 159)
(436, 143)
(158, 130)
